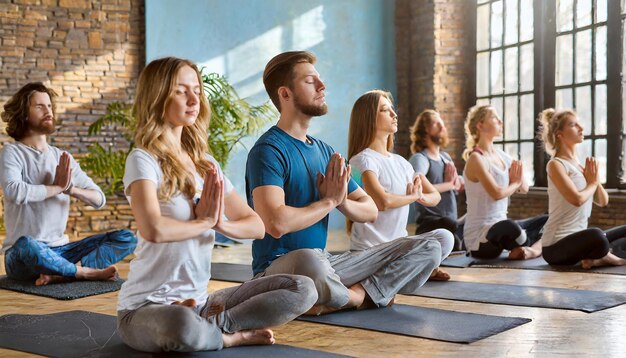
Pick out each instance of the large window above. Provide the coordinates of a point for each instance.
(504, 72)
(580, 73)
(559, 60)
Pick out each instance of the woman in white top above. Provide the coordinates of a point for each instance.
(491, 177)
(572, 189)
(388, 178)
(179, 197)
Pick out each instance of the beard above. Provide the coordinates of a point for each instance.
(440, 140)
(43, 127)
(310, 109)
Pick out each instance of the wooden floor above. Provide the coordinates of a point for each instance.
(551, 333)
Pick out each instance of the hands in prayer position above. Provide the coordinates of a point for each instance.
(334, 184)
(63, 174)
(210, 206)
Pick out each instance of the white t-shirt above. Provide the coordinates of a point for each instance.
(24, 174)
(482, 210)
(167, 272)
(393, 173)
(564, 218)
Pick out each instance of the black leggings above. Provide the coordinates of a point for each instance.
(591, 243)
(430, 223)
(505, 234)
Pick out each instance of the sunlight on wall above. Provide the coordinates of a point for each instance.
(308, 28)
(244, 70)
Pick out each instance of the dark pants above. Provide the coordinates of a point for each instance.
(591, 243)
(430, 223)
(509, 234)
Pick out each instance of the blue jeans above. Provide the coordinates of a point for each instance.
(28, 258)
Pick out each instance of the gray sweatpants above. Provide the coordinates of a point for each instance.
(399, 266)
(261, 303)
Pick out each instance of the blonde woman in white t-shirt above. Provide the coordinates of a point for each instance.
(572, 190)
(179, 198)
(388, 178)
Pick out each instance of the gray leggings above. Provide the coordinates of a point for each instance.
(262, 303)
(399, 266)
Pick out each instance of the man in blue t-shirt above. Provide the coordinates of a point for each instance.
(286, 187)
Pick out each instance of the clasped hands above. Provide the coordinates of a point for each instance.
(333, 185)
(63, 174)
(210, 206)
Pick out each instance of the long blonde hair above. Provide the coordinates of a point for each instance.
(551, 122)
(363, 122)
(154, 92)
(475, 115)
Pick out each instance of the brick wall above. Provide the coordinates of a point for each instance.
(90, 53)
(432, 70)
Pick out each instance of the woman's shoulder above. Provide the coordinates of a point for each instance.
(141, 154)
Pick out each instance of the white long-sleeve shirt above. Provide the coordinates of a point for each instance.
(24, 174)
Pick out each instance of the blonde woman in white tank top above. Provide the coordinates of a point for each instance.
(572, 189)
(491, 177)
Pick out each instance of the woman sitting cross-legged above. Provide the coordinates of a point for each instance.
(572, 189)
(388, 178)
(491, 177)
(179, 198)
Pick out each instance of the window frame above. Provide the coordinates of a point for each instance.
(544, 83)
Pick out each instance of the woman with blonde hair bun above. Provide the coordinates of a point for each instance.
(180, 198)
(572, 189)
(491, 177)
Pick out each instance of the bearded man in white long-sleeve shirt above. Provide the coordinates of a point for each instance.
(38, 180)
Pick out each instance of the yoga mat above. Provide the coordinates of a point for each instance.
(540, 264)
(457, 259)
(441, 325)
(528, 296)
(62, 291)
(230, 272)
(88, 334)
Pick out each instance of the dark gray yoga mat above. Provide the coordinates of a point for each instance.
(62, 291)
(432, 323)
(540, 264)
(88, 334)
(528, 296)
(230, 272)
(457, 259)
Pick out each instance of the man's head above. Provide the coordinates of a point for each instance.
(428, 126)
(30, 111)
(290, 77)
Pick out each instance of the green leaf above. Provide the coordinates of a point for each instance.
(232, 119)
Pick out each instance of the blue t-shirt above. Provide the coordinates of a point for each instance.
(281, 160)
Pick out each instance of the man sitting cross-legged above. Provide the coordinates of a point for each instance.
(38, 180)
(286, 187)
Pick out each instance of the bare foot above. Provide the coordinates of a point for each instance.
(439, 275)
(357, 299)
(46, 279)
(88, 273)
(263, 336)
(524, 253)
(190, 302)
(608, 260)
